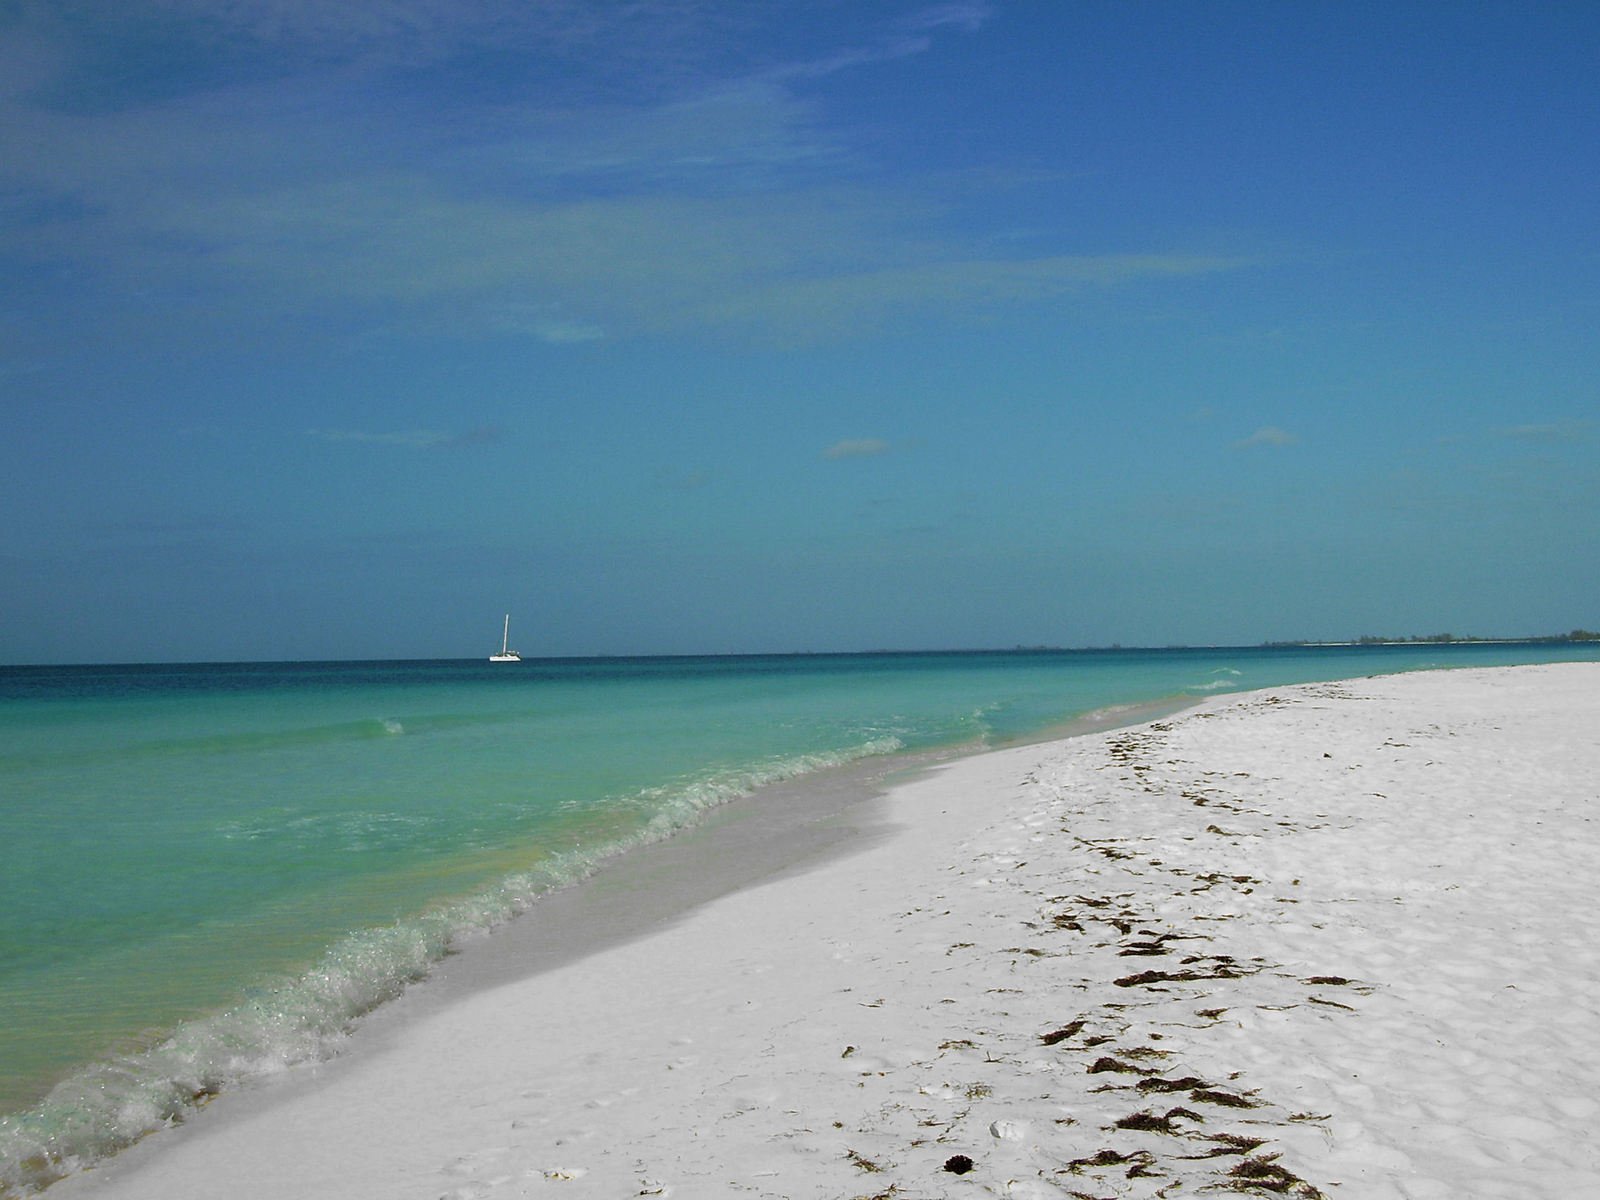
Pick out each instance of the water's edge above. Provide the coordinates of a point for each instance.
(746, 831)
(780, 828)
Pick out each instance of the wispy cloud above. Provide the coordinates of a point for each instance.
(702, 204)
(564, 333)
(857, 448)
(1267, 435)
(843, 302)
(904, 38)
(967, 16)
(801, 266)
(692, 479)
(416, 439)
(1555, 431)
(395, 32)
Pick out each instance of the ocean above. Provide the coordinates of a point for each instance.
(211, 872)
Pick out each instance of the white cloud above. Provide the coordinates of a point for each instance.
(567, 332)
(407, 31)
(707, 206)
(691, 479)
(844, 301)
(969, 16)
(902, 39)
(1268, 435)
(418, 439)
(1555, 431)
(856, 448)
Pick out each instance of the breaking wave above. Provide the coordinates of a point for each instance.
(276, 1026)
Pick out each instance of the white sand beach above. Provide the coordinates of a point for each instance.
(1328, 939)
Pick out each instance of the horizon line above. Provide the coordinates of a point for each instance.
(1364, 643)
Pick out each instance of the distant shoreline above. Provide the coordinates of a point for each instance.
(1576, 638)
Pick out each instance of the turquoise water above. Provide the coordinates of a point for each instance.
(211, 871)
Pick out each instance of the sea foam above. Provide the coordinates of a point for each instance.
(102, 1109)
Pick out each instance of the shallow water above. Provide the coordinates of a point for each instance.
(212, 870)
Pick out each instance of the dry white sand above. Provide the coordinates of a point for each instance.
(1333, 938)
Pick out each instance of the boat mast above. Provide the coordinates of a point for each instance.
(505, 635)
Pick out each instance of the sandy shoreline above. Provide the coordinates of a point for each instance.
(1331, 937)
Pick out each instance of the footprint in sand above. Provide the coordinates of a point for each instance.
(471, 1164)
(608, 1101)
(488, 1168)
(567, 1136)
(558, 1174)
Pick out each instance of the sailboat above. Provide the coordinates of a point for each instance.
(506, 655)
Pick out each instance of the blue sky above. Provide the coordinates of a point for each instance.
(339, 330)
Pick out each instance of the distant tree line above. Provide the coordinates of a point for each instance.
(1368, 639)
(1577, 635)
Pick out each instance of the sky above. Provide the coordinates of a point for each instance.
(699, 326)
